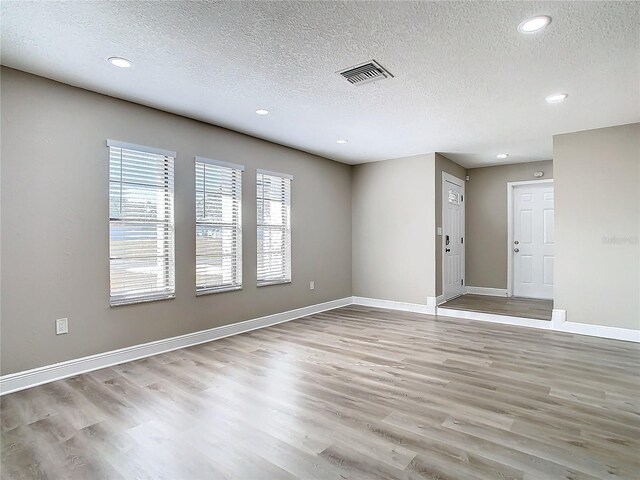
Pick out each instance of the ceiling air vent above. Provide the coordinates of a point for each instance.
(365, 73)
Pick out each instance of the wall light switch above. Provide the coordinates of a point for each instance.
(312, 285)
(439, 231)
(62, 326)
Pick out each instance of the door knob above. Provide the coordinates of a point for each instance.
(447, 250)
(516, 250)
(516, 242)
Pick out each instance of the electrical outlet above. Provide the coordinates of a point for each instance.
(62, 326)
(312, 285)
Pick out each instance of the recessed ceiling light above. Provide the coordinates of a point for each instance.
(502, 156)
(556, 98)
(341, 141)
(262, 111)
(120, 62)
(535, 24)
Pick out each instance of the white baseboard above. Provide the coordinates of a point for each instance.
(615, 333)
(37, 376)
(494, 292)
(558, 317)
(429, 308)
(559, 321)
(49, 373)
(490, 317)
(440, 299)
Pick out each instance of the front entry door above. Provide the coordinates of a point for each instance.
(533, 247)
(452, 236)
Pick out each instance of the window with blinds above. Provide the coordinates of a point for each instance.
(141, 225)
(274, 227)
(218, 226)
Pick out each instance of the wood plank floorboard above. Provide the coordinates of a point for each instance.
(511, 306)
(351, 393)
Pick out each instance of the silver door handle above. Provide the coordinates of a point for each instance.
(516, 250)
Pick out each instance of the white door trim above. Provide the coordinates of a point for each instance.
(510, 187)
(447, 177)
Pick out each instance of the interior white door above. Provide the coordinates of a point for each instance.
(533, 247)
(452, 236)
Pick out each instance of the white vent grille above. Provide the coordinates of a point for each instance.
(365, 73)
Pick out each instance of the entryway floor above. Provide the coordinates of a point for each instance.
(511, 306)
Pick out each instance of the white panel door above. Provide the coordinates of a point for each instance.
(533, 247)
(452, 236)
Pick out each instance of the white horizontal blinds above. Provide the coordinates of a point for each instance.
(141, 225)
(218, 226)
(274, 228)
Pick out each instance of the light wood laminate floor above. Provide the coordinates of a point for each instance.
(511, 306)
(352, 393)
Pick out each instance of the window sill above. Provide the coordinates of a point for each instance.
(277, 282)
(135, 301)
(209, 291)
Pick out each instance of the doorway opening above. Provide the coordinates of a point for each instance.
(509, 285)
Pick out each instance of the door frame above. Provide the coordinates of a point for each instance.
(447, 177)
(510, 189)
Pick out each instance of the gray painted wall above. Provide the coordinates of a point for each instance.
(443, 164)
(597, 213)
(55, 256)
(55, 224)
(394, 229)
(486, 220)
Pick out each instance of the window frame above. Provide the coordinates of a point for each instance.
(168, 225)
(286, 229)
(237, 228)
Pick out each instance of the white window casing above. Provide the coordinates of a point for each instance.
(218, 226)
(273, 227)
(141, 223)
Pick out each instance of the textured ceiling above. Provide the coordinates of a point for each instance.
(467, 83)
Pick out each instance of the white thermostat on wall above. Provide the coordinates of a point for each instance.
(538, 174)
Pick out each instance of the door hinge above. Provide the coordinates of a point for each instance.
(461, 239)
(462, 280)
(462, 198)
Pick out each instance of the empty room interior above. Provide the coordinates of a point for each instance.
(320, 240)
